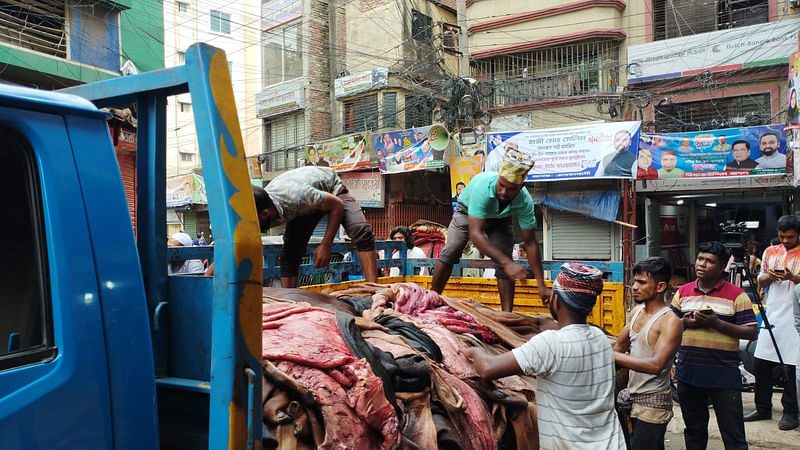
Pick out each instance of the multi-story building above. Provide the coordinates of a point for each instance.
(234, 27)
(53, 44)
(704, 66)
(311, 47)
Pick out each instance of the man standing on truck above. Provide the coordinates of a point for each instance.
(715, 314)
(483, 215)
(299, 198)
(647, 346)
(574, 366)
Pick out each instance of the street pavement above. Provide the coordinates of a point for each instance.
(763, 434)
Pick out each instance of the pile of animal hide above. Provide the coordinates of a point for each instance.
(381, 367)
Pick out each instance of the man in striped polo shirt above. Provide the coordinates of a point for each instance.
(715, 315)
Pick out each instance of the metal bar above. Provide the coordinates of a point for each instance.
(122, 90)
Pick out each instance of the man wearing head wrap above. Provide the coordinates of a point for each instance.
(483, 215)
(574, 366)
(182, 239)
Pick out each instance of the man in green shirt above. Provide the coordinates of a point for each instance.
(483, 215)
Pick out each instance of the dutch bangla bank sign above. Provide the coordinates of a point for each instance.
(738, 48)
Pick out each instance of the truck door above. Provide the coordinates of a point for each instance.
(54, 390)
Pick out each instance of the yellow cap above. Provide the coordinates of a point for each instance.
(515, 166)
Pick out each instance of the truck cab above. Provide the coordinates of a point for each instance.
(99, 347)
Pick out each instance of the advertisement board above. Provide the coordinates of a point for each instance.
(597, 150)
(361, 82)
(405, 151)
(279, 99)
(341, 154)
(186, 190)
(736, 48)
(730, 152)
(462, 169)
(366, 187)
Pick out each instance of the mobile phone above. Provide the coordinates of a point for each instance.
(778, 270)
(706, 310)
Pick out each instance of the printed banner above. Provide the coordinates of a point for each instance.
(751, 151)
(280, 99)
(406, 151)
(792, 112)
(366, 187)
(186, 190)
(598, 150)
(462, 169)
(361, 82)
(476, 149)
(340, 154)
(737, 48)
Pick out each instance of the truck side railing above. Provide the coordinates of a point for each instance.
(341, 271)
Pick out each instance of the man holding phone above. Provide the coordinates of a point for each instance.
(715, 314)
(779, 276)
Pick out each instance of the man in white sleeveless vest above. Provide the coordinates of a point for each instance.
(647, 346)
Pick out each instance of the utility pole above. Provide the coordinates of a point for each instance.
(463, 47)
(333, 63)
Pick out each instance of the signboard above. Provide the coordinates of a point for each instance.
(462, 169)
(712, 184)
(738, 48)
(126, 139)
(405, 151)
(792, 111)
(361, 82)
(340, 154)
(279, 99)
(731, 152)
(277, 12)
(366, 187)
(598, 150)
(186, 190)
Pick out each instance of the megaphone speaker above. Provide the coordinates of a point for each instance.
(438, 137)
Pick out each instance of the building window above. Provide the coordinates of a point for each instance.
(286, 140)
(417, 112)
(389, 109)
(185, 107)
(731, 112)
(26, 331)
(41, 28)
(181, 57)
(220, 22)
(183, 7)
(585, 68)
(361, 114)
(421, 27)
(282, 54)
(230, 68)
(186, 157)
(450, 38)
(676, 18)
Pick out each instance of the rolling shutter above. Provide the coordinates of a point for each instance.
(575, 236)
(127, 167)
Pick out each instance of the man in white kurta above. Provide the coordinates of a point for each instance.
(780, 275)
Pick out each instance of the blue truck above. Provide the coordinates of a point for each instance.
(99, 347)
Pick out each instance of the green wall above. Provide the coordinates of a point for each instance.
(142, 29)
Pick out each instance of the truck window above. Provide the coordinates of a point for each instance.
(25, 321)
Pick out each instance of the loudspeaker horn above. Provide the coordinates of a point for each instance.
(438, 137)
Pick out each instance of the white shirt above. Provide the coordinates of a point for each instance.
(414, 253)
(575, 388)
(189, 266)
(779, 301)
(774, 161)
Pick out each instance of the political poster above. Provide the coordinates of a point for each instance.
(749, 151)
(406, 151)
(341, 154)
(462, 169)
(598, 150)
(476, 149)
(792, 111)
(186, 190)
